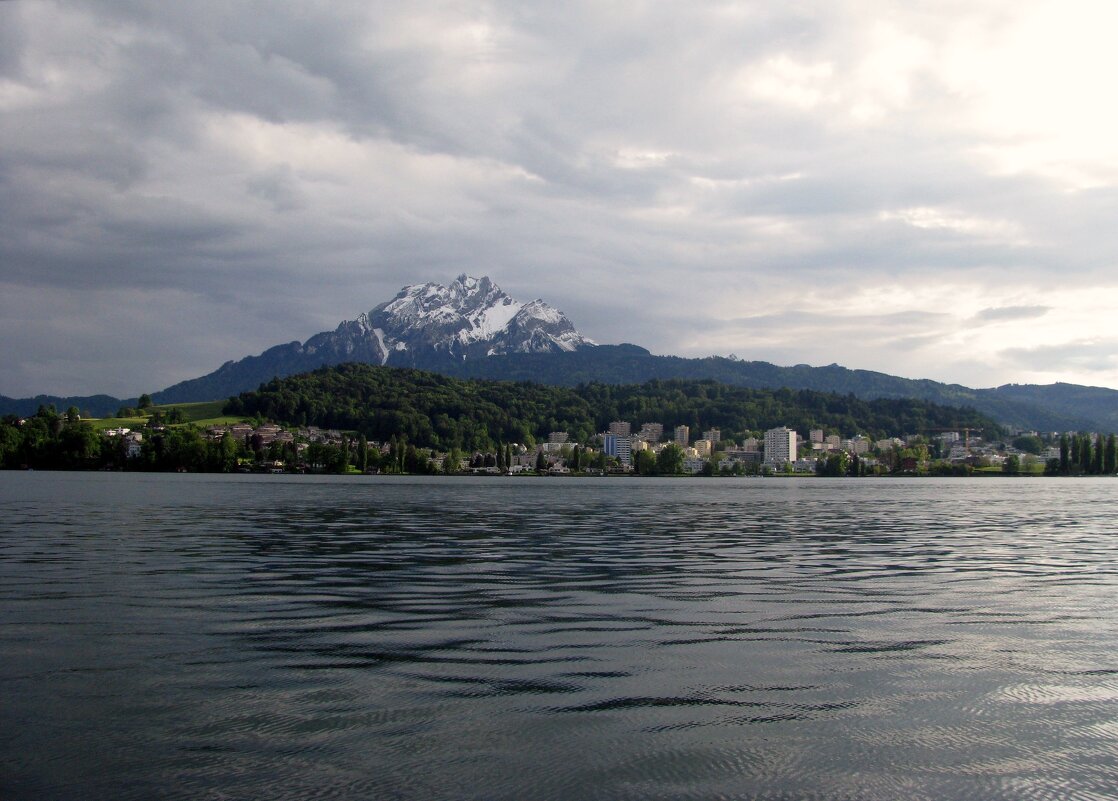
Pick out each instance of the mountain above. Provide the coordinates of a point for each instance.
(88, 405)
(427, 326)
(472, 329)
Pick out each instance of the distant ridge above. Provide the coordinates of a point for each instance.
(96, 405)
(1051, 407)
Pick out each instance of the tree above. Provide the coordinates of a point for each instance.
(144, 402)
(670, 460)
(450, 463)
(1012, 465)
(362, 453)
(645, 463)
(1029, 443)
(541, 462)
(835, 464)
(576, 459)
(1065, 454)
(1110, 457)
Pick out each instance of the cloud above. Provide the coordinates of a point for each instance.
(1000, 313)
(814, 184)
(1089, 356)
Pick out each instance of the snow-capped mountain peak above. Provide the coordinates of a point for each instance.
(470, 318)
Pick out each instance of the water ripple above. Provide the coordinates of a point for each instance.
(316, 637)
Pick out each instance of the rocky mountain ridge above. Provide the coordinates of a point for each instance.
(429, 326)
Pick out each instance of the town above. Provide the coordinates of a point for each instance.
(268, 447)
(163, 439)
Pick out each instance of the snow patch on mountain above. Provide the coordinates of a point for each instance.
(379, 334)
(472, 317)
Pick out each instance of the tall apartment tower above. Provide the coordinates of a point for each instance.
(620, 428)
(714, 435)
(682, 436)
(652, 432)
(619, 446)
(780, 446)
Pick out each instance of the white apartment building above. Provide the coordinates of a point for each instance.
(713, 434)
(780, 446)
(620, 428)
(652, 432)
(682, 436)
(816, 436)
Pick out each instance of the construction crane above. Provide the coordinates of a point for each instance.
(965, 429)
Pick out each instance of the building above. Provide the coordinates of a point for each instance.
(557, 437)
(780, 446)
(620, 428)
(750, 458)
(816, 436)
(651, 432)
(714, 435)
(704, 447)
(621, 447)
(682, 436)
(694, 464)
(858, 444)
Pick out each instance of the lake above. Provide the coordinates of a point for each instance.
(294, 637)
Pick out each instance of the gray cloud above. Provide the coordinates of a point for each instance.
(1087, 356)
(999, 313)
(664, 174)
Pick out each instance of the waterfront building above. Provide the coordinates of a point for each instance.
(780, 446)
(621, 447)
(693, 464)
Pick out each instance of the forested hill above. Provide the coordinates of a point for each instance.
(1050, 407)
(433, 410)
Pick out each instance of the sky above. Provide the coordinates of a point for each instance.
(928, 189)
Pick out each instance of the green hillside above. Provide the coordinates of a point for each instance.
(432, 410)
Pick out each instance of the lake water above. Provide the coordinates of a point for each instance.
(244, 637)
